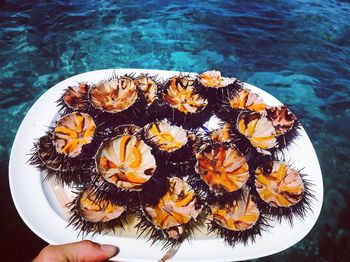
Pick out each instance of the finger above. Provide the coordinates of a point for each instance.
(77, 252)
(88, 251)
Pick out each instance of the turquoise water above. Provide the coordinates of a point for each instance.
(297, 50)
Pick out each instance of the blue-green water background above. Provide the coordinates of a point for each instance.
(299, 51)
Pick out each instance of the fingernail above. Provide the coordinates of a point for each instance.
(113, 250)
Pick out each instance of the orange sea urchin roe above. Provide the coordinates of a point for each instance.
(114, 95)
(176, 207)
(148, 87)
(247, 100)
(181, 96)
(95, 209)
(283, 187)
(258, 129)
(72, 132)
(126, 161)
(213, 79)
(239, 216)
(165, 136)
(74, 97)
(222, 169)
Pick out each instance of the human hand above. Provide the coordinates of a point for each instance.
(82, 251)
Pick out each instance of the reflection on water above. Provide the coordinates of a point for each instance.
(296, 50)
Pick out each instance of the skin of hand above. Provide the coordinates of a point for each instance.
(82, 251)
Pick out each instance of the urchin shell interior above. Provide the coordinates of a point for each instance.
(224, 169)
(282, 191)
(180, 94)
(176, 207)
(91, 213)
(280, 186)
(96, 209)
(125, 161)
(213, 79)
(166, 136)
(72, 132)
(114, 95)
(258, 129)
(148, 87)
(238, 220)
(247, 100)
(75, 96)
(174, 217)
(239, 215)
(282, 118)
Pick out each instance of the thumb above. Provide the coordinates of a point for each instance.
(85, 250)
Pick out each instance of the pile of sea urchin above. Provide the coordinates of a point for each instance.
(133, 145)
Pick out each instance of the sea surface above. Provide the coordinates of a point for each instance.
(297, 50)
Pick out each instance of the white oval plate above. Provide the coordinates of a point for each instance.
(37, 207)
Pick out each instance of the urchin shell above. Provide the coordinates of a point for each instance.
(72, 132)
(215, 87)
(165, 136)
(91, 213)
(148, 87)
(74, 98)
(174, 217)
(243, 100)
(184, 105)
(114, 95)
(237, 221)
(171, 143)
(285, 123)
(223, 168)
(117, 101)
(125, 161)
(64, 170)
(281, 190)
(258, 130)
